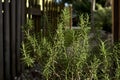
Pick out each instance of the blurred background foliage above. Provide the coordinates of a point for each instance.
(103, 18)
(102, 13)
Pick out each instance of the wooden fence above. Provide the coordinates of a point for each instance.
(11, 20)
(44, 16)
(13, 14)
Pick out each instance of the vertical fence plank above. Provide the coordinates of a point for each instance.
(43, 5)
(52, 13)
(6, 40)
(119, 19)
(18, 34)
(1, 42)
(116, 19)
(23, 8)
(49, 14)
(55, 14)
(70, 10)
(46, 5)
(13, 38)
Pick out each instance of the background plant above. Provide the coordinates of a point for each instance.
(103, 18)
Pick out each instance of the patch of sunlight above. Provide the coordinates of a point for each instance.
(2, 11)
(40, 2)
(9, 1)
(27, 3)
(2, 0)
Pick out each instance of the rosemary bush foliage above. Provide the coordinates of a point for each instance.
(70, 58)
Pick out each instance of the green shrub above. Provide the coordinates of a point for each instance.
(68, 36)
(61, 59)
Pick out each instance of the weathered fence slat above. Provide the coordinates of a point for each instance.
(43, 6)
(23, 8)
(13, 38)
(18, 34)
(116, 20)
(6, 40)
(1, 42)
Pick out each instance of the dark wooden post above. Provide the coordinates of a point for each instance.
(6, 42)
(92, 14)
(23, 20)
(18, 35)
(1, 42)
(43, 6)
(13, 38)
(70, 9)
(116, 20)
(36, 17)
